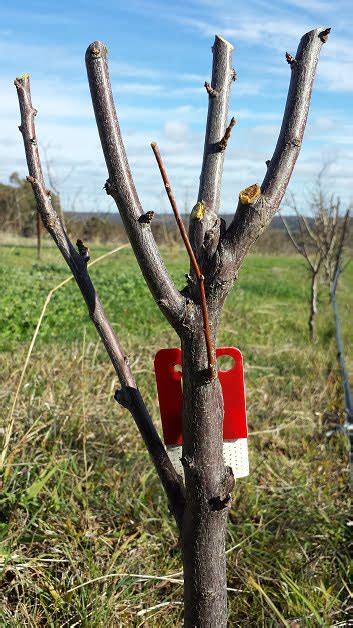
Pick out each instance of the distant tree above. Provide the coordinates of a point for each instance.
(18, 211)
(319, 238)
(201, 504)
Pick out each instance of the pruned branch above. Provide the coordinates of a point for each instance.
(251, 218)
(121, 187)
(77, 262)
(199, 276)
(213, 157)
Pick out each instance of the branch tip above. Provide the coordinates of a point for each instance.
(21, 79)
(233, 75)
(97, 50)
(290, 60)
(324, 35)
(221, 40)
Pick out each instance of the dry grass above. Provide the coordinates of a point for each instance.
(86, 536)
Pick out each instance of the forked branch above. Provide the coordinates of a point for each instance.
(130, 396)
(121, 187)
(251, 218)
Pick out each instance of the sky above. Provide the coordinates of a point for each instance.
(159, 57)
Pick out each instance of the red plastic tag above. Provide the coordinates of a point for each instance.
(170, 394)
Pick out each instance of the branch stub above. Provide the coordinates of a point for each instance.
(198, 211)
(250, 194)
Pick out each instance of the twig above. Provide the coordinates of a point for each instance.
(224, 141)
(291, 237)
(199, 276)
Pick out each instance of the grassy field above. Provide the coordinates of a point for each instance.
(85, 536)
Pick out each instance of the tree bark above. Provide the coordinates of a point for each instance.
(208, 484)
(313, 305)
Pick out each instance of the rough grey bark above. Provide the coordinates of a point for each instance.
(200, 511)
(208, 486)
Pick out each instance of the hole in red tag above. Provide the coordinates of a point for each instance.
(225, 362)
(178, 368)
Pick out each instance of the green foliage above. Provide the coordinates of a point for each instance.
(81, 505)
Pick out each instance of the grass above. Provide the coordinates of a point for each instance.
(83, 520)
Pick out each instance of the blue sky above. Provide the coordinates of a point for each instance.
(160, 56)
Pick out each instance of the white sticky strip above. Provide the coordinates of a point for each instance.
(235, 454)
(175, 453)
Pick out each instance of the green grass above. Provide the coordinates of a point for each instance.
(79, 498)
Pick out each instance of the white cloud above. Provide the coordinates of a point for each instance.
(168, 106)
(177, 131)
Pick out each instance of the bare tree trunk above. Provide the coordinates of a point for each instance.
(313, 305)
(208, 487)
(39, 235)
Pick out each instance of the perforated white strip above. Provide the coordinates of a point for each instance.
(175, 452)
(235, 454)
